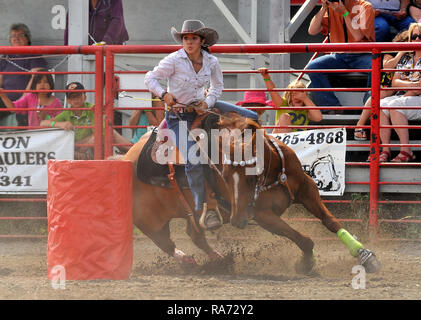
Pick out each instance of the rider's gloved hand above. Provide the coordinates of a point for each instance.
(170, 101)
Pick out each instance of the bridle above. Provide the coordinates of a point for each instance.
(282, 177)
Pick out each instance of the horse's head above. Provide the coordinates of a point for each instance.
(242, 159)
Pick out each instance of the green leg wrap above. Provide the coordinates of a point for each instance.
(350, 242)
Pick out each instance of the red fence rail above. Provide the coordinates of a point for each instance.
(103, 146)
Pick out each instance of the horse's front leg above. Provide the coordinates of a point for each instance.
(270, 221)
(199, 239)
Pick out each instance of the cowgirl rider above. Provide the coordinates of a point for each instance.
(187, 72)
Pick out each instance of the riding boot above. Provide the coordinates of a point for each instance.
(210, 219)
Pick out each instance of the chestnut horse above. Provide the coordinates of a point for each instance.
(280, 182)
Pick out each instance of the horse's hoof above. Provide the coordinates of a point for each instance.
(306, 264)
(369, 261)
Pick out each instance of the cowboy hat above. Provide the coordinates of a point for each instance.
(197, 27)
(255, 97)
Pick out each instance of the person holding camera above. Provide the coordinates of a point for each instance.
(342, 21)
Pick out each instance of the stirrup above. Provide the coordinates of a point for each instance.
(204, 218)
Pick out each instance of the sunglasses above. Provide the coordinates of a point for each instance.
(415, 36)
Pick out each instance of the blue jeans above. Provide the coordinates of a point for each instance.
(382, 25)
(336, 61)
(194, 172)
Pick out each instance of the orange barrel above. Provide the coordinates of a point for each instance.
(89, 208)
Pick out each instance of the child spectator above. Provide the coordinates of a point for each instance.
(69, 118)
(145, 118)
(294, 99)
(40, 100)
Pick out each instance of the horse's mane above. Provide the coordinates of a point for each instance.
(236, 121)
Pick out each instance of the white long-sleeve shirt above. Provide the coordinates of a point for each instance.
(184, 83)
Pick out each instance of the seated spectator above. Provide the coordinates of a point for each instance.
(294, 99)
(43, 101)
(390, 60)
(414, 10)
(392, 13)
(69, 118)
(19, 35)
(106, 23)
(255, 99)
(335, 19)
(411, 98)
(146, 118)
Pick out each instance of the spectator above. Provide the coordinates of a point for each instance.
(411, 98)
(19, 35)
(40, 100)
(293, 99)
(390, 60)
(106, 23)
(69, 118)
(339, 21)
(255, 99)
(188, 71)
(414, 9)
(392, 13)
(146, 118)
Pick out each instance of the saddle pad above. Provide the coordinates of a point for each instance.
(150, 172)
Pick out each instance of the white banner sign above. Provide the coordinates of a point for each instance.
(322, 155)
(24, 156)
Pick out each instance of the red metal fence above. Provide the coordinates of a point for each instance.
(106, 108)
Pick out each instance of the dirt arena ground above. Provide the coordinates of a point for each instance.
(259, 266)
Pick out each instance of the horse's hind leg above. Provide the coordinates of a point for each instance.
(309, 196)
(199, 239)
(271, 222)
